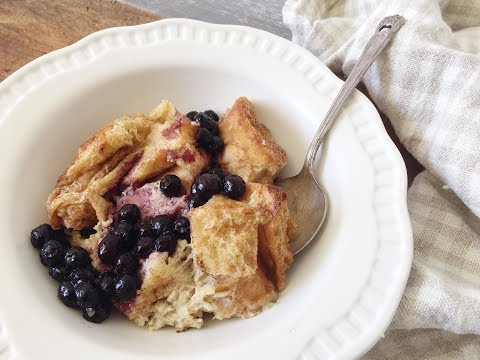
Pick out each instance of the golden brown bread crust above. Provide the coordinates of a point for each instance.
(224, 235)
(70, 202)
(130, 149)
(242, 297)
(241, 249)
(270, 204)
(165, 144)
(187, 169)
(250, 152)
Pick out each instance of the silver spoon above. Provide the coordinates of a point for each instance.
(307, 199)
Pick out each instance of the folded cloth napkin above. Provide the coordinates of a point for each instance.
(428, 84)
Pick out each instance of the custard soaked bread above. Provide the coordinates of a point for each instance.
(129, 150)
(185, 218)
(250, 150)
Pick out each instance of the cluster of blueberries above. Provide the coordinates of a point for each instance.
(80, 285)
(215, 180)
(126, 242)
(208, 136)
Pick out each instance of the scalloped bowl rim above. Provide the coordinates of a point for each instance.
(17, 86)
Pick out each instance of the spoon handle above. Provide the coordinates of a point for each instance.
(383, 34)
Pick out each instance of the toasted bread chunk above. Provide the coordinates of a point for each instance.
(167, 142)
(270, 204)
(124, 135)
(166, 291)
(131, 149)
(250, 150)
(189, 167)
(75, 203)
(234, 293)
(243, 297)
(224, 235)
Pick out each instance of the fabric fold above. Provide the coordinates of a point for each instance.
(427, 82)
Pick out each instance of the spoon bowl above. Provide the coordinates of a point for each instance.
(308, 207)
(307, 199)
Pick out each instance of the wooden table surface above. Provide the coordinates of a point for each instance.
(261, 14)
(31, 28)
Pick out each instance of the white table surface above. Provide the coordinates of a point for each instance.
(261, 14)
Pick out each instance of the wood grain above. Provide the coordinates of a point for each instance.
(260, 14)
(31, 28)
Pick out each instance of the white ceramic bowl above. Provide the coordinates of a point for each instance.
(342, 290)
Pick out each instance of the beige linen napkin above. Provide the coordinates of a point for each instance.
(428, 84)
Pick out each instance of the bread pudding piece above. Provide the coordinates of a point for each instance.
(234, 259)
(225, 240)
(166, 292)
(250, 150)
(129, 150)
(235, 266)
(187, 169)
(277, 227)
(225, 237)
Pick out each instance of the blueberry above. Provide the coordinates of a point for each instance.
(76, 258)
(181, 227)
(43, 261)
(211, 114)
(217, 146)
(171, 185)
(129, 213)
(144, 247)
(99, 313)
(61, 236)
(66, 294)
(52, 253)
(79, 276)
(161, 224)
(145, 230)
(166, 243)
(126, 237)
(85, 233)
(87, 295)
(126, 264)
(216, 169)
(205, 139)
(78, 282)
(209, 124)
(233, 186)
(193, 189)
(196, 201)
(41, 234)
(198, 116)
(125, 287)
(207, 185)
(59, 273)
(108, 248)
(106, 283)
(191, 115)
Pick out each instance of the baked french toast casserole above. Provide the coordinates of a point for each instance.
(168, 216)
